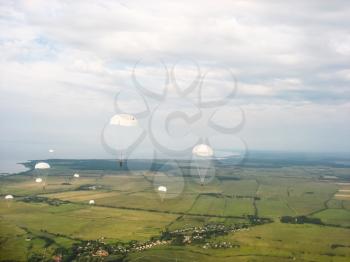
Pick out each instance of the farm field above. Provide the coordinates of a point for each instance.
(240, 213)
(175, 131)
(272, 242)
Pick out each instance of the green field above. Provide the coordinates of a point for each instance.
(41, 222)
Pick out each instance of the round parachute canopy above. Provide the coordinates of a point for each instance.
(91, 202)
(162, 189)
(123, 120)
(76, 175)
(9, 197)
(202, 150)
(51, 150)
(42, 165)
(38, 180)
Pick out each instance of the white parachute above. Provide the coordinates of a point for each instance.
(123, 120)
(122, 135)
(167, 179)
(202, 150)
(162, 192)
(41, 172)
(38, 180)
(42, 165)
(162, 189)
(8, 199)
(91, 202)
(202, 162)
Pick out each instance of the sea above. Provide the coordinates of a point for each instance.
(11, 166)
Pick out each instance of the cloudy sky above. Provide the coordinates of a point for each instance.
(62, 63)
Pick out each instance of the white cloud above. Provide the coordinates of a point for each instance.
(67, 59)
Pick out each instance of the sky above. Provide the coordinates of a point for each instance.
(62, 64)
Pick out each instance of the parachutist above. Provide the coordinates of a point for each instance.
(124, 121)
(202, 154)
(42, 168)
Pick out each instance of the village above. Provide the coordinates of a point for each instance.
(185, 236)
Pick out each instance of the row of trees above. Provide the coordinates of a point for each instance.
(50, 201)
(301, 220)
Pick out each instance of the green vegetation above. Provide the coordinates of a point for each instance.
(301, 220)
(337, 217)
(236, 217)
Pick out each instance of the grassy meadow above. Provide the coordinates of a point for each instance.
(41, 220)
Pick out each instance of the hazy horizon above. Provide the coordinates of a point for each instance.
(60, 74)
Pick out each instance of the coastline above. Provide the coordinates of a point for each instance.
(8, 167)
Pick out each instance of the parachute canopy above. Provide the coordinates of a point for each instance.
(162, 189)
(51, 150)
(123, 120)
(38, 180)
(9, 197)
(202, 150)
(91, 202)
(42, 165)
(76, 175)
